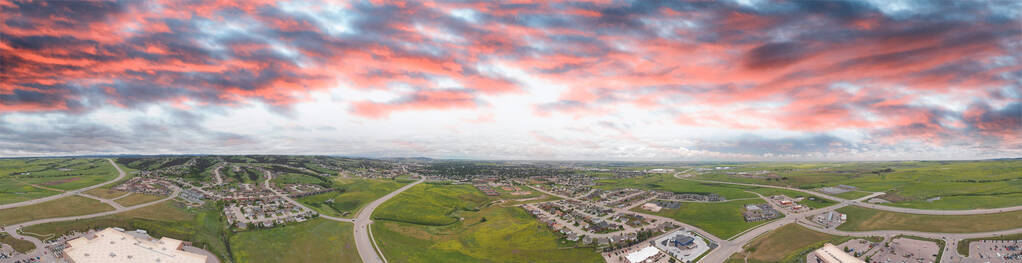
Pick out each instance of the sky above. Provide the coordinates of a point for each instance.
(742, 80)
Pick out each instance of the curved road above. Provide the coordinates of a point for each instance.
(951, 240)
(858, 202)
(39, 246)
(363, 234)
(121, 175)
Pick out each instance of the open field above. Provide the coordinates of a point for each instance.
(788, 243)
(492, 234)
(62, 174)
(915, 184)
(203, 226)
(295, 178)
(12, 191)
(105, 193)
(50, 176)
(818, 202)
(432, 204)
(852, 195)
(18, 244)
(351, 196)
(865, 219)
(161, 214)
(667, 182)
(67, 206)
(720, 219)
(137, 199)
(317, 240)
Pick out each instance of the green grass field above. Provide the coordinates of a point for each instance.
(508, 234)
(50, 175)
(12, 191)
(62, 174)
(720, 219)
(203, 226)
(914, 184)
(817, 202)
(137, 199)
(669, 183)
(67, 206)
(353, 194)
(317, 240)
(432, 204)
(852, 195)
(865, 219)
(105, 193)
(789, 243)
(18, 244)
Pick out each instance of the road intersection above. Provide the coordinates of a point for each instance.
(121, 175)
(951, 240)
(370, 253)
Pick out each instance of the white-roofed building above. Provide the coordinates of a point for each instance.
(113, 246)
(642, 254)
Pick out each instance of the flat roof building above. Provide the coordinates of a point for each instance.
(114, 246)
(832, 254)
(642, 255)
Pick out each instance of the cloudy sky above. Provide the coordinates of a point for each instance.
(584, 80)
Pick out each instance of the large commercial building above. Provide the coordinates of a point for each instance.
(832, 254)
(115, 246)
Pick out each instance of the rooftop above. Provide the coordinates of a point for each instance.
(113, 246)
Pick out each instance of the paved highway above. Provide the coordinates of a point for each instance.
(859, 202)
(363, 233)
(121, 175)
(951, 239)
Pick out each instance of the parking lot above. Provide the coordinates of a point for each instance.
(907, 250)
(996, 250)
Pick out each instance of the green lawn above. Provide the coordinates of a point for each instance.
(865, 219)
(352, 195)
(137, 199)
(428, 204)
(18, 244)
(67, 206)
(317, 240)
(723, 220)
(508, 234)
(789, 243)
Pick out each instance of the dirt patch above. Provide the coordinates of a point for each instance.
(61, 181)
